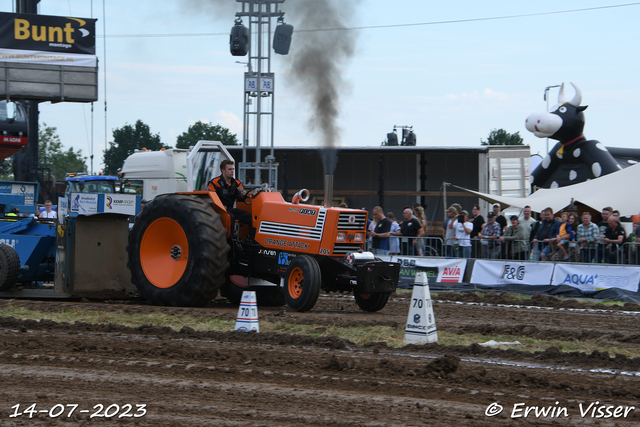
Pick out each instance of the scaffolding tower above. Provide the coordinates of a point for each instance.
(259, 94)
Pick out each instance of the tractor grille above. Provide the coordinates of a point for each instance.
(343, 248)
(352, 221)
(295, 231)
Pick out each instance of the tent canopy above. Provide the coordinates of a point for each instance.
(614, 189)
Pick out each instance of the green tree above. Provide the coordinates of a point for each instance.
(207, 132)
(6, 169)
(52, 155)
(502, 137)
(126, 140)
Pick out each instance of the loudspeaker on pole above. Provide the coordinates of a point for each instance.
(247, 319)
(421, 322)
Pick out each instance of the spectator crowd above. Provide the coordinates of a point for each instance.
(564, 237)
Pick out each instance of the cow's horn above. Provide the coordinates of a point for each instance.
(561, 98)
(577, 99)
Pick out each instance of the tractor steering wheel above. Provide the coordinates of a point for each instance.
(253, 193)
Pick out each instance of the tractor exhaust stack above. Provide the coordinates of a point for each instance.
(328, 190)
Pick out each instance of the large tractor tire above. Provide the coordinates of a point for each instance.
(9, 267)
(178, 251)
(302, 283)
(372, 302)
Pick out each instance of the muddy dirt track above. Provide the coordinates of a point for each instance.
(156, 376)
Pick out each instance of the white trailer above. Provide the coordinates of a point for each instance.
(151, 173)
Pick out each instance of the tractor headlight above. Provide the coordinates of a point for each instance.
(349, 258)
(342, 236)
(359, 237)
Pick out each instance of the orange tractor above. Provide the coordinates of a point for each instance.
(183, 249)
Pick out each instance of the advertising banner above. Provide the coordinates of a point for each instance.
(120, 203)
(489, 272)
(44, 33)
(437, 270)
(93, 203)
(63, 208)
(48, 58)
(26, 190)
(593, 277)
(84, 204)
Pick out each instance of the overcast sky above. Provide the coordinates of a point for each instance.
(454, 77)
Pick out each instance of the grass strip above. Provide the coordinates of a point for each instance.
(394, 337)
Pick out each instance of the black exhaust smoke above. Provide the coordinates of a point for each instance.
(317, 59)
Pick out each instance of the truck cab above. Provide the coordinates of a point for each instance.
(83, 183)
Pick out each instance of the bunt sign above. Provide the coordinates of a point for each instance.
(49, 40)
(48, 58)
(32, 32)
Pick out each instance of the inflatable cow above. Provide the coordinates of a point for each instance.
(574, 158)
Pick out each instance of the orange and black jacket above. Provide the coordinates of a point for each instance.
(228, 194)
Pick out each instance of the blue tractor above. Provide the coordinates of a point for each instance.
(83, 183)
(79, 253)
(27, 243)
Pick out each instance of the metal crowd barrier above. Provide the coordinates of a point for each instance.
(632, 251)
(600, 254)
(424, 246)
(626, 254)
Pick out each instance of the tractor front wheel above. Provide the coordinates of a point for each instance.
(302, 283)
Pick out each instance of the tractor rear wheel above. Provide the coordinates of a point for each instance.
(178, 251)
(302, 283)
(372, 302)
(9, 267)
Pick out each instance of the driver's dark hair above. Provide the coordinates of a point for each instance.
(224, 164)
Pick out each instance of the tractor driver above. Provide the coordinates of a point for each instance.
(229, 190)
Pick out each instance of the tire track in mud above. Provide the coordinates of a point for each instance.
(240, 381)
(190, 378)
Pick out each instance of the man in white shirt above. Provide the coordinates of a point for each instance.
(462, 228)
(47, 212)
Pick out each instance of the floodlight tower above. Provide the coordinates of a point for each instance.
(259, 88)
